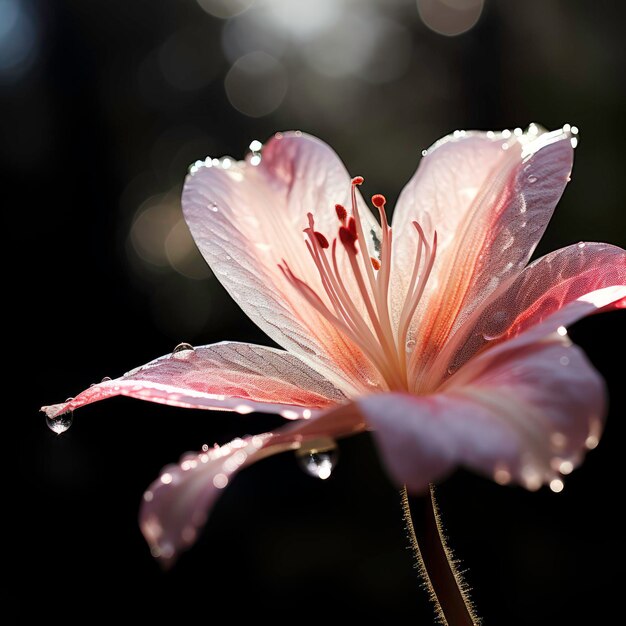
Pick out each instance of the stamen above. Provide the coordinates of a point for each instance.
(348, 238)
(363, 316)
(352, 227)
(321, 239)
(379, 201)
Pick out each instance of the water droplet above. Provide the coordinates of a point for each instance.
(581, 245)
(106, 379)
(410, 345)
(255, 146)
(506, 133)
(505, 146)
(532, 179)
(298, 133)
(556, 485)
(182, 347)
(318, 458)
(255, 160)
(60, 423)
(564, 360)
(213, 207)
(453, 368)
(424, 153)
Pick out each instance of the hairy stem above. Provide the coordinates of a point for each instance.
(434, 559)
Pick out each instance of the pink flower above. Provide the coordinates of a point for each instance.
(432, 334)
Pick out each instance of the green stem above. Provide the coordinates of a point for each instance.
(447, 590)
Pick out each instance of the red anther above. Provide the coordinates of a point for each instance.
(358, 180)
(379, 201)
(375, 263)
(341, 213)
(347, 238)
(321, 240)
(352, 227)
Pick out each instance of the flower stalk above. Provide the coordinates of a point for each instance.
(435, 562)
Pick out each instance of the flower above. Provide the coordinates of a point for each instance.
(432, 333)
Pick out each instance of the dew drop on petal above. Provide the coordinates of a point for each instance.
(410, 345)
(182, 347)
(319, 458)
(60, 423)
(502, 476)
(532, 179)
(106, 379)
(556, 485)
(566, 467)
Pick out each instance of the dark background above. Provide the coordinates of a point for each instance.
(103, 106)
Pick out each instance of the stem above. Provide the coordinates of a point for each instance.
(435, 562)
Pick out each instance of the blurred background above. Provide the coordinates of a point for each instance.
(103, 105)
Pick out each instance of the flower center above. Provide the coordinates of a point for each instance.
(364, 314)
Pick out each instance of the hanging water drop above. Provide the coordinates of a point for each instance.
(182, 347)
(318, 458)
(60, 423)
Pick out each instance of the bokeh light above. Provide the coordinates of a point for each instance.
(225, 8)
(160, 239)
(450, 17)
(256, 84)
(18, 39)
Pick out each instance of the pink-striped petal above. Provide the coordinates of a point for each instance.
(247, 218)
(522, 414)
(177, 504)
(489, 207)
(558, 289)
(224, 376)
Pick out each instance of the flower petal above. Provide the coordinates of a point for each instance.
(489, 207)
(246, 219)
(515, 414)
(227, 376)
(177, 504)
(556, 290)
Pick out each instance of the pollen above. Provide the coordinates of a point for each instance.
(321, 240)
(375, 263)
(348, 238)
